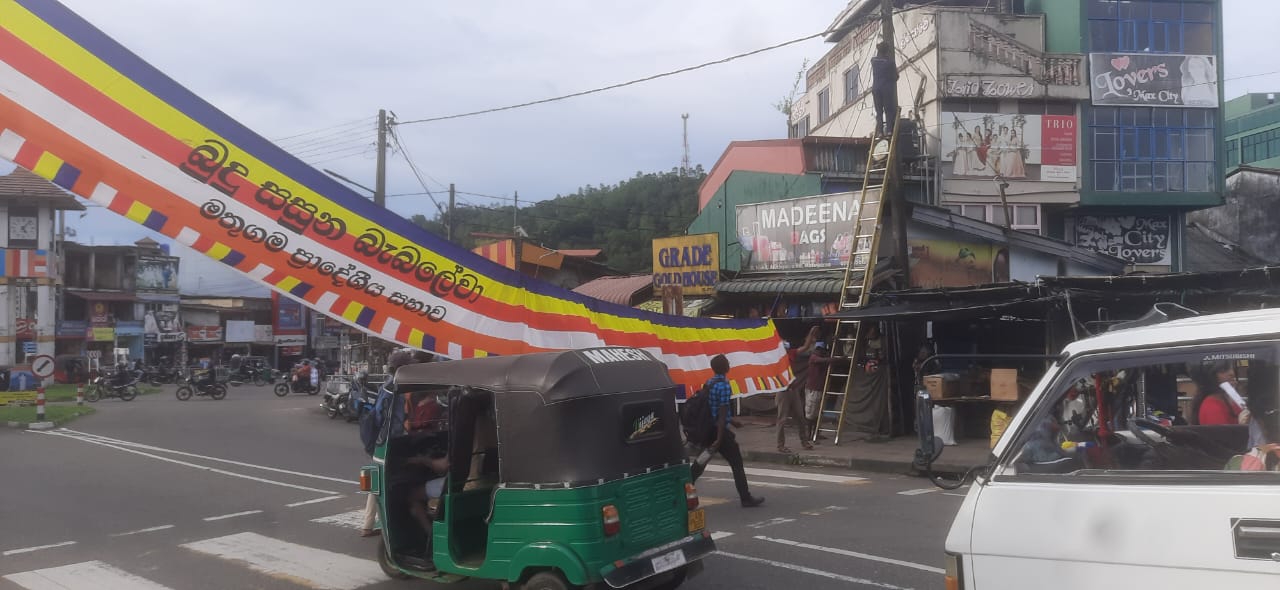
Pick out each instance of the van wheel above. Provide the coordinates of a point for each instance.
(385, 563)
(551, 580)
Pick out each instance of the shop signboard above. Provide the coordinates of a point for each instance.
(1136, 239)
(163, 325)
(71, 329)
(810, 232)
(288, 316)
(157, 274)
(291, 340)
(200, 334)
(689, 262)
(24, 328)
(262, 334)
(99, 313)
(1153, 80)
(1011, 146)
(292, 350)
(240, 331)
(101, 334)
(937, 263)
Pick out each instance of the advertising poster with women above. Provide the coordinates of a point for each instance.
(1010, 146)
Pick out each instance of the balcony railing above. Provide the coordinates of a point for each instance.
(1053, 70)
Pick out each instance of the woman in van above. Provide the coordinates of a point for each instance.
(1264, 416)
(1212, 405)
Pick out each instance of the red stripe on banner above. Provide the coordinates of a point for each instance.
(28, 155)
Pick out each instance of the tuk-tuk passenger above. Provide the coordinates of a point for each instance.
(424, 500)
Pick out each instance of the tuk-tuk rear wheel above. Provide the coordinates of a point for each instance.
(385, 564)
(548, 580)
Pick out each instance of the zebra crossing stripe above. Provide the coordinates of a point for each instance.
(351, 520)
(314, 568)
(89, 575)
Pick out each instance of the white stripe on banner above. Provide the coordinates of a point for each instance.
(315, 568)
(90, 575)
(10, 143)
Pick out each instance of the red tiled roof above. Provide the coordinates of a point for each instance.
(21, 184)
(620, 290)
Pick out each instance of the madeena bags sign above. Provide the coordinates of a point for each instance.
(1153, 80)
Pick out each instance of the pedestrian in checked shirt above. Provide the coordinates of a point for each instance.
(719, 394)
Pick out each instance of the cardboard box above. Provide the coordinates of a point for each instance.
(943, 386)
(1005, 385)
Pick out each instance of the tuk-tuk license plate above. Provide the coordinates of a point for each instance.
(697, 520)
(668, 562)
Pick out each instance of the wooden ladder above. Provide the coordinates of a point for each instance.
(859, 275)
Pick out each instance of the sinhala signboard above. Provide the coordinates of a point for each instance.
(810, 232)
(692, 262)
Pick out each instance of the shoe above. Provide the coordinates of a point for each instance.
(753, 501)
(369, 532)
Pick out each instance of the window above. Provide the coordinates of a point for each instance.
(1026, 218)
(1233, 152)
(1161, 410)
(824, 105)
(799, 128)
(967, 105)
(1155, 26)
(1145, 149)
(1257, 147)
(851, 85)
(1029, 107)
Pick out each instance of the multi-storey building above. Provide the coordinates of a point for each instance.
(1100, 119)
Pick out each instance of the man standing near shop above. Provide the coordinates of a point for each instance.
(719, 397)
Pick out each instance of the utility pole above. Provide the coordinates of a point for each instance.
(449, 227)
(684, 162)
(515, 231)
(380, 182)
(893, 176)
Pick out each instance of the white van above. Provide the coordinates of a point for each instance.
(1091, 488)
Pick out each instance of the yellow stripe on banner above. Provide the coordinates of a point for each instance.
(139, 212)
(288, 283)
(84, 64)
(352, 311)
(218, 251)
(48, 165)
(416, 337)
(481, 354)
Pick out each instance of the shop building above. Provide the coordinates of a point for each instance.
(121, 297)
(219, 327)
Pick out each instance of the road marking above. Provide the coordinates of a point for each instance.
(146, 530)
(716, 536)
(351, 520)
(315, 501)
(919, 566)
(954, 494)
(187, 464)
(711, 501)
(90, 575)
(763, 484)
(232, 515)
(917, 492)
(800, 475)
(147, 447)
(309, 566)
(808, 570)
(822, 511)
(771, 522)
(36, 548)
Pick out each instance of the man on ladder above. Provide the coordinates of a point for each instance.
(884, 87)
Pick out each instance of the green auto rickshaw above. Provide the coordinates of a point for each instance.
(564, 470)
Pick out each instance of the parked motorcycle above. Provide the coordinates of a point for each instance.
(158, 376)
(201, 383)
(122, 385)
(339, 392)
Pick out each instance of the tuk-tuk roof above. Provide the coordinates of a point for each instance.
(555, 376)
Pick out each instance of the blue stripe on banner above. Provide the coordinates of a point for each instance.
(232, 258)
(300, 290)
(428, 342)
(66, 176)
(156, 220)
(157, 83)
(365, 317)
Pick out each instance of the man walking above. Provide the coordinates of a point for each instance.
(884, 87)
(719, 394)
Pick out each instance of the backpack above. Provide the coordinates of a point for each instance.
(695, 419)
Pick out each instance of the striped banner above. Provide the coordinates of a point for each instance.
(81, 110)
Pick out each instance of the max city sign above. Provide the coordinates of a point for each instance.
(693, 262)
(1155, 80)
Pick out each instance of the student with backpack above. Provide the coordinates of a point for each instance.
(708, 425)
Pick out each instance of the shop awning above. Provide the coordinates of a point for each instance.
(943, 311)
(817, 284)
(159, 297)
(104, 296)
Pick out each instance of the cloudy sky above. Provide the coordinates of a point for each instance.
(313, 74)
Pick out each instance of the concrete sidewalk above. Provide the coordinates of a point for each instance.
(894, 455)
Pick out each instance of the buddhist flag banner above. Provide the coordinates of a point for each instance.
(82, 111)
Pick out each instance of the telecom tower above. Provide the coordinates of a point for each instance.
(684, 162)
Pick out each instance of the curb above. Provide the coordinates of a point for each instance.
(851, 463)
(40, 426)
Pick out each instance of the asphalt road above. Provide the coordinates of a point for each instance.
(256, 491)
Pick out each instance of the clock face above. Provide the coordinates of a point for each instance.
(22, 228)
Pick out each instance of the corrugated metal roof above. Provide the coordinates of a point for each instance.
(819, 283)
(620, 290)
(1207, 252)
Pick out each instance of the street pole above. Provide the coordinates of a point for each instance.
(380, 182)
(897, 200)
(449, 227)
(515, 231)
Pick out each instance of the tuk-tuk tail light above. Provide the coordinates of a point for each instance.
(954, 573)
(366, 480)
(690, 496)
(612, 524)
